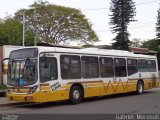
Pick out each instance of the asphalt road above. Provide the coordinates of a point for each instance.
(149, 102)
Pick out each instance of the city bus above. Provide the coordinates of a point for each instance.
(45, 74)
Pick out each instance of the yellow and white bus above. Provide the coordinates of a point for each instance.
(44, 74)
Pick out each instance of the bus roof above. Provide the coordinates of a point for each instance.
(92, 51)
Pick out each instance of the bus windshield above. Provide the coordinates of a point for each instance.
(22, 72)
(22, 67)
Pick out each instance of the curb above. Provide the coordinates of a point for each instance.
(11, 104)
(8, 104)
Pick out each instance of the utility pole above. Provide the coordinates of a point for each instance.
(24, 28)
(35, 28)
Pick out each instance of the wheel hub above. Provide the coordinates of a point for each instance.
(140, 88)
(76, 94)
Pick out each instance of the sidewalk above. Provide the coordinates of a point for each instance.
(4, 102)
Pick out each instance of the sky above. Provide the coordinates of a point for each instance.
(97, 12)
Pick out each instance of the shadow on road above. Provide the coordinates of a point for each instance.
(64, 103)
(114, 96)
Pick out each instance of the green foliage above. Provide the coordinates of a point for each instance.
(58, 24)
(151, 44)
(158, 25)
(123, 12)
(11, 32)
(87, 46)
(2, 87)
(121, 44)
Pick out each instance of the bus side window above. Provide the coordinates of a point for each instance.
(90, 67)
(132, 66)
(120, 67)
(70, 67)
(106, 67)
(142, 65)
(151, 65)
(48, 72)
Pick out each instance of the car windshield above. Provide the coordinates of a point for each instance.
(22, 72)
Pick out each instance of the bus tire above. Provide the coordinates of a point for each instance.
(76, 95)
(140, 88)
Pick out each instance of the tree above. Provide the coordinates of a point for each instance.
(136, 42)
(3, 37)
(151, 44)
(158, 25)
(58, 24)
(123, 12)
(11, 32)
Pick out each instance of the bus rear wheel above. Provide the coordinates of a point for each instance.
(76, 95)
(140, 88)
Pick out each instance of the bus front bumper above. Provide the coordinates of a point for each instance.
(23, 97)
(46, 96)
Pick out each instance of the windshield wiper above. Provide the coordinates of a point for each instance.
(28, 59)
(21, 76)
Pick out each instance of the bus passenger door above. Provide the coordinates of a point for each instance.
(120, 83)
(90, 71)
(153, 73)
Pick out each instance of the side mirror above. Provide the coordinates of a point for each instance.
(2, 63)
(2, 67)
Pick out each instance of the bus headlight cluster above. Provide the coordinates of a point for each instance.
(33, 89)
(9, 91)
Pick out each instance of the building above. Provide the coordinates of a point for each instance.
(4, 53)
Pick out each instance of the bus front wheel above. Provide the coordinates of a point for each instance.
(140, 87)
(76, 95)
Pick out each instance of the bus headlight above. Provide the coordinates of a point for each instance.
(33, 89)
(9, 91)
